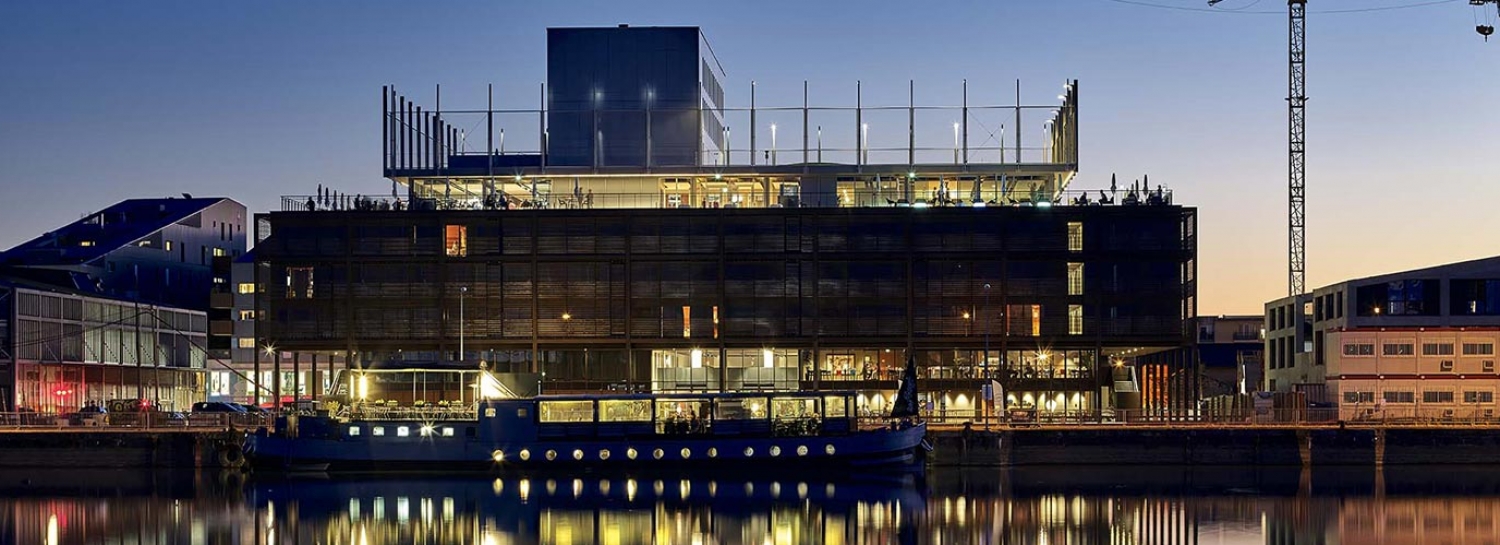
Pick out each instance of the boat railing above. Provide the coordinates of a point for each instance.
(365, 411)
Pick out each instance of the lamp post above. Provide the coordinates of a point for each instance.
(985, 368)
(462, 291)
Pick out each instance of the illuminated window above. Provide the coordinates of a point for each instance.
(247, 342)
(86, 243)
(247, 315)
(299, 282)
(219, 252)
(687, 322)
(1075, 319)
(447, 432)
(403, 431)
(456, 240)
(379, 431)
(716, 321)
(1075, 279)
(1036, 320)
(353, 431)
(1075, 236)
(168, 246)
(246, 288)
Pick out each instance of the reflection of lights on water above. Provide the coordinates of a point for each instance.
(713, 488)
(658, 487)
(551, 487)
(379, 508)
(577, 488)
(775, 490)
(829, 490)
(749, 489)
(630, 489)
(403, 509)
(353, 510)
(684, 488)
(498, 486)
(448, 509)
(604, 487)
(525, 489)
(52, 529)
(801, 491)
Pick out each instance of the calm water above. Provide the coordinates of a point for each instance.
(1053, 506)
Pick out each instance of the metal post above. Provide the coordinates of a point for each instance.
(650, 103)
(275, 377)
(462, 291)
(804, 124)
(859, 108)
(1018, 121)
(406, 137)
(541, 123)
(417, 147)
(385, 126)
(966, 122)
(753, 127)
(296, 378)
(911, 123)
(489, 141)
(314, 378)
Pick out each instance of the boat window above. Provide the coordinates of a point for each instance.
(796, 407)
(353, 431)
(835, 406)
(685, 408)
(749, 408)
(624, 410)
(403, 431)
(379, 431)
(489, 412)
(552, 412)
(447, 432)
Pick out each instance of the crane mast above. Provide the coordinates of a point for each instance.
(1296, 146)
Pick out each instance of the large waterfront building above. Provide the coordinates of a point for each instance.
(128, 301)
(824, 267)
(1412, 344)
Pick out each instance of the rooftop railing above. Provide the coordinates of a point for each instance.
(861, 198)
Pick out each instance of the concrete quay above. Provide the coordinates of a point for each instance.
(1196, 445)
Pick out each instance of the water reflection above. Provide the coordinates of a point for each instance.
(1041, 506)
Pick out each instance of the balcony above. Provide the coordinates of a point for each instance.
(221, 300)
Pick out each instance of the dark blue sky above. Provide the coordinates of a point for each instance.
(109, 100)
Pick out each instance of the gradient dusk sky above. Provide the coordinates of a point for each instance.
(111, 100)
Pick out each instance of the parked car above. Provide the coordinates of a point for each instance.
(218, 407)
(89, 415)
(252, 409)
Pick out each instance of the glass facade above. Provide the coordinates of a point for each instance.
(731, 300)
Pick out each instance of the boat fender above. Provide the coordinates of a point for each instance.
(231, 457)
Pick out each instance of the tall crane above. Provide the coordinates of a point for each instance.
(1296, 103)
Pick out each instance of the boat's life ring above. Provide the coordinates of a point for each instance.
(231, 457)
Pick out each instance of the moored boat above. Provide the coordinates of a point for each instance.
(494, 429)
